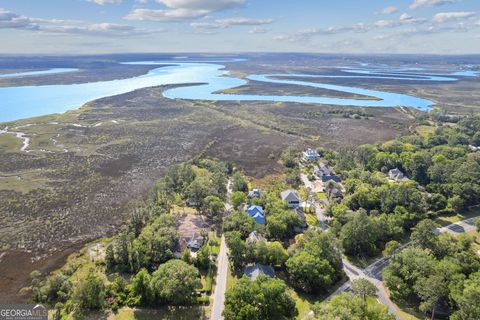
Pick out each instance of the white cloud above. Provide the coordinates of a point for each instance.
(449, 16)
(389, 10)
(102, 2)
(430, 3)
(11, 20)
(207, 5)
(178, 10)
(165, 15)
(257, 30)
(228, 22)
(100, 29)
(405, 17)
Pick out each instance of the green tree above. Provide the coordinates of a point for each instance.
(423, 234)
(364, 288)
(214, 207)
(405, 269)
(202, 260)
(237, 249)
(239, 221)
(109, 257)
(346, 306)
(141, 288)
(239, 183)
(277, 255)
(237, 199)
(175, 281)
(89, 293)
(431, 290)
(467, 298)
(315, 264)
(390, 248)
(359, 236)
(282, 225)
(289, 158)
(262, 299)
(456, 203)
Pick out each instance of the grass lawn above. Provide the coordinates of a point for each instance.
(408, 312)
(312, 220)
(231, 278)
(181, 210)
(181, 313)
(302, 303)
(321, 195)
(446, 220)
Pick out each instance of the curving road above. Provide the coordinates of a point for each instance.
(374, 272)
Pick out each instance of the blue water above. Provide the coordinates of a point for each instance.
(29, 101)
(35, 73)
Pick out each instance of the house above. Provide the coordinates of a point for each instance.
(291, 197)
(322, 169)
(310, 155)
(395, 174)
(255, 193)
(332, 177)
(254, 271)
(256, 212)
(195, 242)
(335, 193)
(255, 237)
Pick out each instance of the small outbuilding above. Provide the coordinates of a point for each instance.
(254, 271)
(255, 193)
(396, 174)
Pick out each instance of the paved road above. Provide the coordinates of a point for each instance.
(374, 272)
(222, 267)
(221, 282)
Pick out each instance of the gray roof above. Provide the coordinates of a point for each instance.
(253, 271)
(288, 194)
(254, 237)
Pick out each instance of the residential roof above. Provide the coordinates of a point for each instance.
(254, 237)
(254, 193)
(254, 271)
(311, 153)
(289, 195)
(334, 178)
(256, 212)
(252, 209)
(396, 174)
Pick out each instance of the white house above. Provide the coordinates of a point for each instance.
(310, 155)
(291, 197)
(395, 174)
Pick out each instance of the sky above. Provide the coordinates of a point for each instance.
(324, 26)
